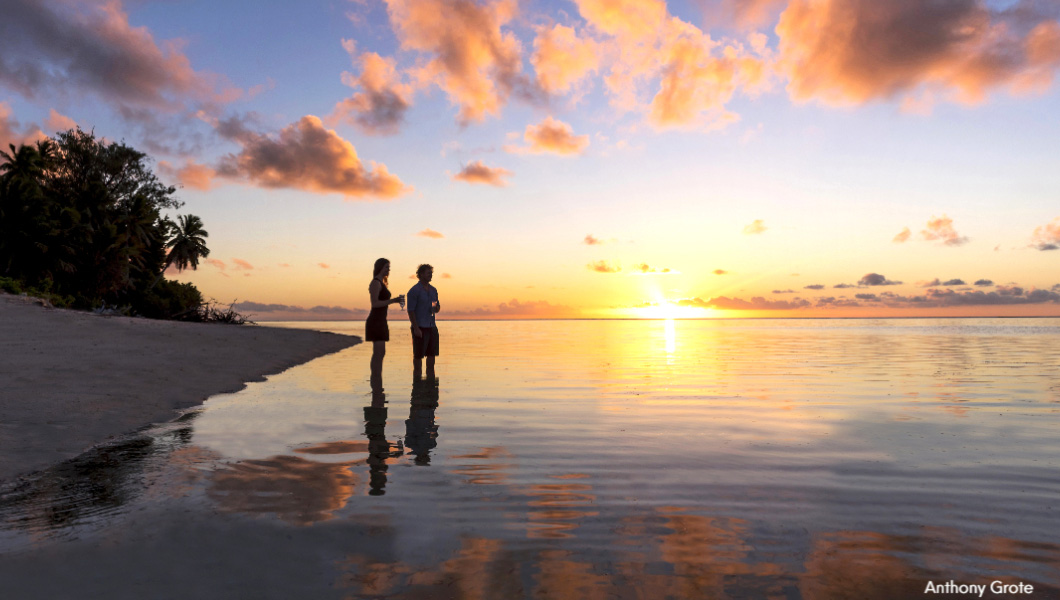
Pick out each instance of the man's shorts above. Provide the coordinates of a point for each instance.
(426, 345)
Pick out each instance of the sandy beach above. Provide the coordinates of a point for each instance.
(72, 379)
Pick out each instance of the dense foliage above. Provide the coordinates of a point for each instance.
(81, 223)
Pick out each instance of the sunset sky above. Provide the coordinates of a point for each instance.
(595, 158)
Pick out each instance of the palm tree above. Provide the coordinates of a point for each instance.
(187, 244)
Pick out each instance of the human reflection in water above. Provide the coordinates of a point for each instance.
(379, 448)
(421, 433)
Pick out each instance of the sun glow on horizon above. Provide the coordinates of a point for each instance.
(669, 310)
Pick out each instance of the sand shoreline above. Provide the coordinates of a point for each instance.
(73, 380)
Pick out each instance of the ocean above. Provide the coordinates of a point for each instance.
(594, 459)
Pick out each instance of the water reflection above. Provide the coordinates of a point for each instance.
(92, 485)
(421, 432)
(625, 460)
(380, 449)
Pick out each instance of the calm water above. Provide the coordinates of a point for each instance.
(587, 459)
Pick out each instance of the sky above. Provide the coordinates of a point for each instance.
(579, 159)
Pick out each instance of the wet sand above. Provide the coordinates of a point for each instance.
(72, 379)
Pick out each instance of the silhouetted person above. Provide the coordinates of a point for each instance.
(376, 329)
(421, 433)
(423, 304)
(379, 448)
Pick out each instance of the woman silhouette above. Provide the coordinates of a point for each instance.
(375, 327)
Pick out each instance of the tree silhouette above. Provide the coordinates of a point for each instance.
(187, 244)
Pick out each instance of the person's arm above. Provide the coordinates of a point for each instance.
(373, 291)
(437, 304)
(413, 300)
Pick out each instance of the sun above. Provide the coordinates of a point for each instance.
(671, 310)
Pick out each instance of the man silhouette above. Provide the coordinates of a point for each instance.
(422, 305)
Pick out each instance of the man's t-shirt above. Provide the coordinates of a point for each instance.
(419, 302)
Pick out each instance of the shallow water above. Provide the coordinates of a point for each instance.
(639, 459)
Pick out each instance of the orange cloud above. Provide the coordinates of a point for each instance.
(324, 265)
(696, 84)
(902, 236)
(1047, 237)
(551, 136)
(242, 265)
(845, 52)
(12, 132)
(430, 233)
(646, 268)
(720, 272)
(58, 122)
(630, 18)
(306, 156)
(602, 266)
(472, 60)
(380, 107)
(941, 228)
(477, 172)
(220, 264)
(192, 174)
(756, 227)
(561, 58)
(591, 240)
(67, 48)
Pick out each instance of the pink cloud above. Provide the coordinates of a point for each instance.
(561, 58)
(696, 82)
(477, 172)
(380, 105)
(12, 132)
(476, 63)
(756, 227)
(720, 272)
(430, 233)
(220, 264)
(591, 240)
(755, 303)
(70, 47)
(58, 122)
(192, 174)
(305, 156)
(551, 136)
(844, 52)
(1047, 237)
(752, 13)
(941, 229)
(515, 308)
(242, 265)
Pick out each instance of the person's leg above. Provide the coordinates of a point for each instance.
(430, 348)
(378, 352)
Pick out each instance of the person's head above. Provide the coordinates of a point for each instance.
(381, 269)
(424, 273)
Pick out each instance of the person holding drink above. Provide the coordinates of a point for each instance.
(376, 329)
(423, 305)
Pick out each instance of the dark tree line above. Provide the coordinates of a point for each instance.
(81, 223)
